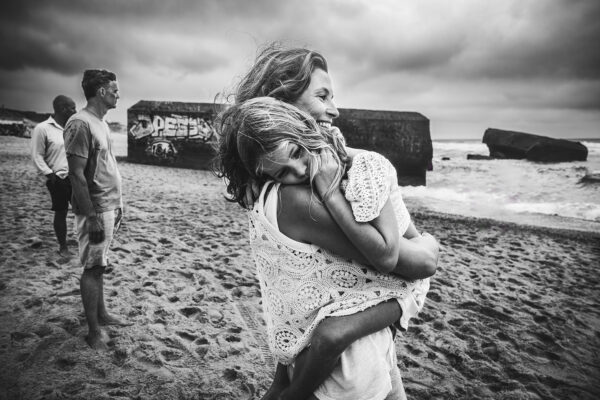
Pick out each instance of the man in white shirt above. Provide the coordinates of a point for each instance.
(50, 159)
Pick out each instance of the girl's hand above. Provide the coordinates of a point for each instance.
(326, 177)
(335, 131)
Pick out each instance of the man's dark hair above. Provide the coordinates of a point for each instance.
(94, 79)
(59, 102)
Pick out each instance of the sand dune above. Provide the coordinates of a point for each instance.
(513, 312)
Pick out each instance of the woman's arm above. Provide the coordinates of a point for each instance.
(303, 218)
(331, 337)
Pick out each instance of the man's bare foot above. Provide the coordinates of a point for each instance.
(94, 340)
(64, 251)
(110, 320)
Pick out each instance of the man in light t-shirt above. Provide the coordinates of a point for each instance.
(50, 160)
(96, 200)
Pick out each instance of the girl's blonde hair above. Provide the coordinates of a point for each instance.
(256, 127)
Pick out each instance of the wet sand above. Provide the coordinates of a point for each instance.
(513, 312)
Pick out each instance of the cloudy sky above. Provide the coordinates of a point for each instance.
(529, 65)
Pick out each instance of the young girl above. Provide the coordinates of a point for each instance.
(301, 285)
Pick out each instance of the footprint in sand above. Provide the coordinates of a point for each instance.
(122, 250)
(235, 329)
(231, 374)
(171, 355)
(202, 350)
(456, 322)
(233, 339)
(144, 240)
(43, 330)
(189, 311)
(33, 302)
(69, 324)
(491, 350)
(65, 364)
(434, 296)
(120, 356)
(187, 336)
(164, 241)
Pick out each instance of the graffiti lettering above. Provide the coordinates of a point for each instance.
(178, 126)
(172, 127)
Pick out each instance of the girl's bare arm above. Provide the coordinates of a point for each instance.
(378, 243)
(302, 217)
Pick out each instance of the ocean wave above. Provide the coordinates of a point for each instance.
(450, 195)
(587, 211)
(593, 147)
(495, 203)
(458, 149)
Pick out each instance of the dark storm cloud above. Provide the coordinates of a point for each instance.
(460, 56)
(547, 38)
(523, 40)
(554, 39)
(66, 37)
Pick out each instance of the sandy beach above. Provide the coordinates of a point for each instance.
(513, 312)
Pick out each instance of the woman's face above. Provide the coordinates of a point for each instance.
(317, 99)
(288, 164)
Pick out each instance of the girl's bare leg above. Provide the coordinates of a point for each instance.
(330, 339)
(280, 382)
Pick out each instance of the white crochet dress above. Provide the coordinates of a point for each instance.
(302, 284)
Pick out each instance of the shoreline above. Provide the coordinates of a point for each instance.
(544, 222)
(513, 311)
(485, 222)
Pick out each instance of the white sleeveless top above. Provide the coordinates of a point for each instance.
(301, 284)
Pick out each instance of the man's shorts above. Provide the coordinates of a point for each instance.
(60, 192)
(96, 254)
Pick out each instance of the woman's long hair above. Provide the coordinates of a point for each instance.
(279, 72)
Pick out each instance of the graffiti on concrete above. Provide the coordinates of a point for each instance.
(162, 150)
(172, 127)
(162, 136)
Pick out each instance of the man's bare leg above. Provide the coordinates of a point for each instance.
(91, 288)
(104, 318)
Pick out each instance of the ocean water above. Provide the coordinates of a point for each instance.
(546, 194)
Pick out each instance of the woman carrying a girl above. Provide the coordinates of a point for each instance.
(320, 306)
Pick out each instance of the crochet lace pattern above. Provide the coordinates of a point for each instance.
(302, 284)
(371, 181)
